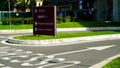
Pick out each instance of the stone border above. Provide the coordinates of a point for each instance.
(63, 41)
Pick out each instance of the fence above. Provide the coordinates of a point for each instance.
(16, 17)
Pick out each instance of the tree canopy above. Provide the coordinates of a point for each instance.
(21, 4)
(3, 5)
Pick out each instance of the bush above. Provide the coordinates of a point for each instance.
(16, 21)
(28, 20)
(67, 18)
(74, 19)
(59, 19)
(5, 21)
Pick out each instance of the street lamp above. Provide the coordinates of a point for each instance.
(9, 13)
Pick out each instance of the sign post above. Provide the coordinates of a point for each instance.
(9, 13)
(44, 20)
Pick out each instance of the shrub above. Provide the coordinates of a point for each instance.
(5, 21)
(59, 19)
(17, 21)
(74, 19)
(28, 20)
(67, 18)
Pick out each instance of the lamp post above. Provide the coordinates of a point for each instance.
(9, 13)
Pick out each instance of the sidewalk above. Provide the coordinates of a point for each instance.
(60, 30)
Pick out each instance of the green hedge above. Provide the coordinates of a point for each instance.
(5, 21)
(17, 21)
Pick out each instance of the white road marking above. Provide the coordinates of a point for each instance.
(29, 60)
(42, 62)
(4, 47)
(10, 57)
(101, 47)
(2, 65)
(72, 64)
(19, 50)
(10, 54)
(6, 50)
(87, 49)
(17, 53)
(7, 67)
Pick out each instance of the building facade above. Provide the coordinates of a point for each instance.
(100, 10)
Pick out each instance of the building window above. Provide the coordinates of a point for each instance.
(88, 4)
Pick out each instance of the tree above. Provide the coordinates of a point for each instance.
(32, 3)
(4, 4)
(25, 4)
(21, 5)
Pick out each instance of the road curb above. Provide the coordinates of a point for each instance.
(15, 31)
(99, 65)
(63, 41)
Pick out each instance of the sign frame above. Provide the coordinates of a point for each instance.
(44, 19)
(8, 0)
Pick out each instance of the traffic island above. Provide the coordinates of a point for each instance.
(63, 40)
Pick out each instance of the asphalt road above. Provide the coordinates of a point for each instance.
(81, 55)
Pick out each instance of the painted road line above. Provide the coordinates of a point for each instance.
(14, 55)
(8, 49)
(4, 66)
(29, 60)
(7, 67)
(87, 49)
(4, 47)
(43, 62)
(1, 65)
(70, 63)
(63, 64)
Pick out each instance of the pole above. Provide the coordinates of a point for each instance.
(9, 14)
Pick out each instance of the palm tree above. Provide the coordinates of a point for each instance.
(29, 4)
(21, 5)
(24, 5)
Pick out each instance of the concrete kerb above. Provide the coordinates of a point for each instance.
(99, 65)
(63, 41)
(16, 31)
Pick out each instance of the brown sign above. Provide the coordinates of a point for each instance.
(44, 20)
(8, 0)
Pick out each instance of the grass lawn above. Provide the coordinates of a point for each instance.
(18, 27)
(87, 24)
(113, 64)
(78, 24)
(66, 35)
